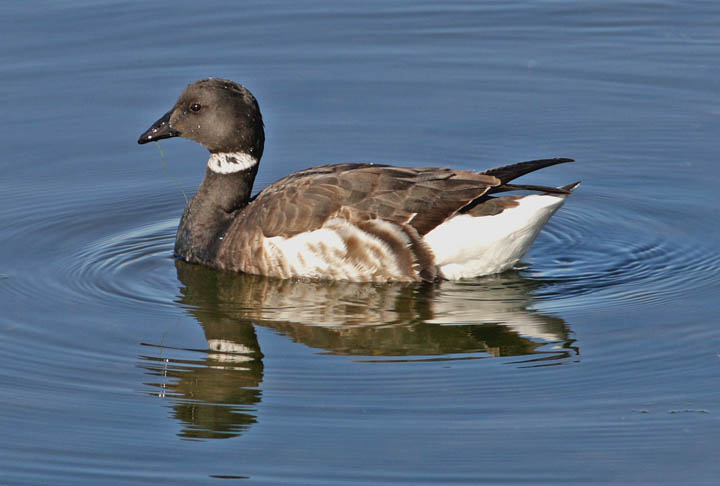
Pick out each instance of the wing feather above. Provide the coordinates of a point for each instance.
(420, 197)
(305, 200)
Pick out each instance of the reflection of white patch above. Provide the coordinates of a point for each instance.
(502, 304)
(529, 325)
(467, 246)
(225, 346)
(229, 162)
(229, 351)
(323, 253)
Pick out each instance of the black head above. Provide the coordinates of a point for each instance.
(217, 113)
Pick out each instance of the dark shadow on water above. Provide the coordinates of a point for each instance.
(215, 397)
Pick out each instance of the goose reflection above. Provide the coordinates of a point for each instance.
(216, 397)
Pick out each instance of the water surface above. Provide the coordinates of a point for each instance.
(594, 361)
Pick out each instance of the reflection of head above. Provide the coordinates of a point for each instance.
(215, 395)
(218, 398)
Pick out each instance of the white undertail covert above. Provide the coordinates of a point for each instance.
(468, 246)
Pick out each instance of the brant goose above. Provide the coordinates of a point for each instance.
(360, 222)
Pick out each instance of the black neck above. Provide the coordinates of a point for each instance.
(210, 212)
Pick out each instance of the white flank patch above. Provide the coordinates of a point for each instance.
(322, 254)
(229, 162)
(466, 246)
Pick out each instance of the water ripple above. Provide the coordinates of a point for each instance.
(596, 257)
(588, 255)
(129, 267)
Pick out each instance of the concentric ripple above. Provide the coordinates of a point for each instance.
(587, 255)
(129, 267)
(92, 248)
(593, 256)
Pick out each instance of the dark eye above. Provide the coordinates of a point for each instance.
(195, 107)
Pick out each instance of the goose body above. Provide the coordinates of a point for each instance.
(360, 222)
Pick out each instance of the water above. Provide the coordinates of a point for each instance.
(595, 361)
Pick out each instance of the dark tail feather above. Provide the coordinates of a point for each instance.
(513, 171)
(571, 187)
(526, 187)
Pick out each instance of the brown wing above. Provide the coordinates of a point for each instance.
(422, 198)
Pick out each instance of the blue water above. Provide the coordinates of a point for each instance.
(595, 361)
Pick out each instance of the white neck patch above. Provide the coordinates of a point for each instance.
(229, 162)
